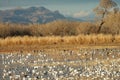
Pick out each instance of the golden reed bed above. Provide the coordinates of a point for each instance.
(99, 39)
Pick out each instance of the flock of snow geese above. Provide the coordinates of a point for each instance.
(82, 64)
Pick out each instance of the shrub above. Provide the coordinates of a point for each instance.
(86, 28)
(112, 24)
(4, 30)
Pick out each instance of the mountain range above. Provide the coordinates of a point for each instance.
(30, 15)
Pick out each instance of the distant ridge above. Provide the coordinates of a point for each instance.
(74, 19)
(29, 15)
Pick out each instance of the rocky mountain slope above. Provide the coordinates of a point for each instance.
(30, 15)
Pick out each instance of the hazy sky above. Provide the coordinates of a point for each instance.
(75, 8)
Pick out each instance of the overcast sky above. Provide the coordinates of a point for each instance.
(75, 8)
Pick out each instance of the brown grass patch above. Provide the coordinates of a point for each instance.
(57, 40)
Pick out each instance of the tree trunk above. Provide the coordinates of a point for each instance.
(100, 26)
(102, 22)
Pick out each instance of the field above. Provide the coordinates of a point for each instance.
(83, 57)
(61, 50)
(61, 64)
(28, 43)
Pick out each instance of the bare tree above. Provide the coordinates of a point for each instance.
(104, 7)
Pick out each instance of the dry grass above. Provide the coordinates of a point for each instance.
(59, 33)
(56, 28)
(57, 40)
